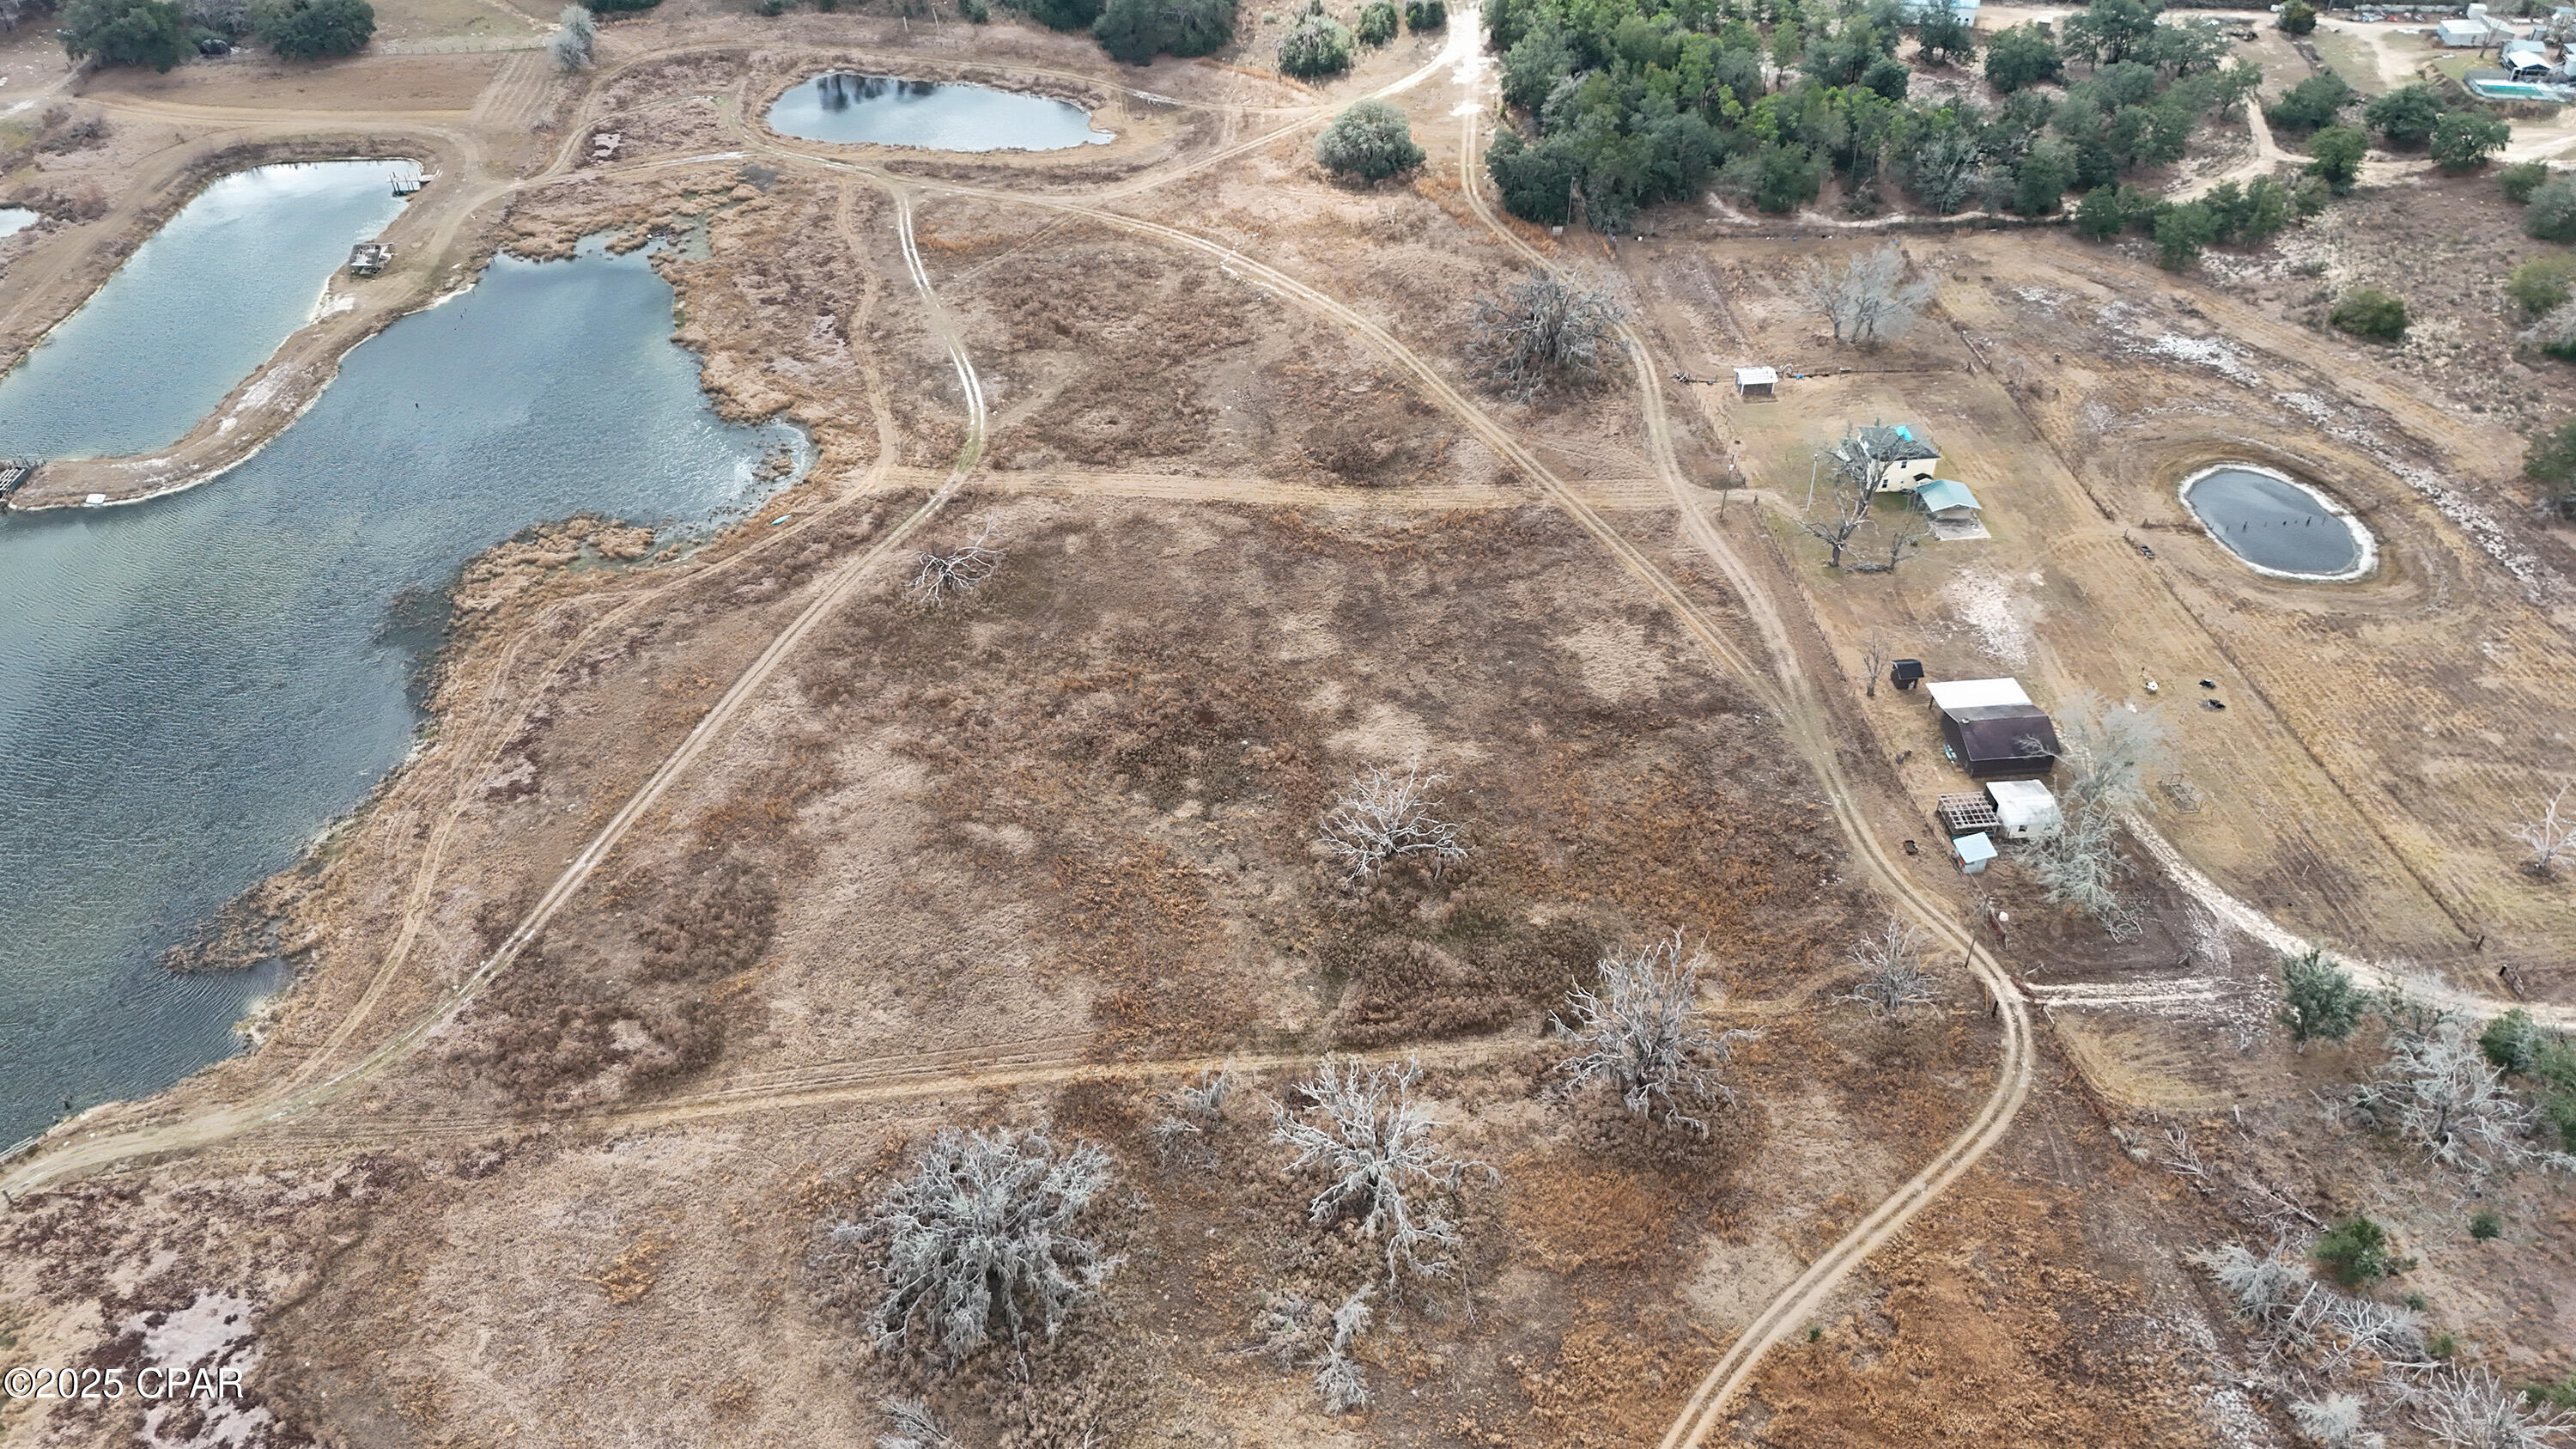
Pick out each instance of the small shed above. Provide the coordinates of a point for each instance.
(1993, 731)
(1974, 851)
(1903, 457)
(1756, 382)
(368, 258)
(1947, 500)
(2023, 808)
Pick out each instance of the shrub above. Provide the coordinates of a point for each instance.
(2022, 56)
(2406, 115)
(2310, 104)
(2046, 170)
(2463, 140)
(1422, 15)
(2551, 211)
(1064, 14)
(1377, 23)
(1135, 31)
(1317, 45)
(2370, 312)
(2298, 17)
(2485, 1226)
(2511, 1041)
(1371, 140)
(2355, 1253)
(2335, 155)
(2099, 215)
(2319, 999)
(124, 32)
(2181, 231)
(2543, 284)
(2520, 179)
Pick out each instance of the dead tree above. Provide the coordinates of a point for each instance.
(1385, 819)
(1873, 658)
(2550, 834)
(2334, 1422)
(982, 1237)
(2472, 1409)
(1892, 978)
(944, 576)
(1340, 1379)
(1196, 1112)
(1543, 330)
(1850, 472)
(2110, 754)
(1866, 300)
(1907, 530)
(1376, 1142)
(1637, 1034)
(914, 1428)
(2439, 1091)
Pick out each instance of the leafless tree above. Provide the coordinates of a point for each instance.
(1849, 471)
(1866, 299)
(1873, 660)
(983, 1234)
(574, 38)
(2439, 1091)
(1542, 330)
(914, 1428)
(2551, 833)
(1907, 530)
(2334, 1422)
(1340, 1379)
(1376, 1142)
(1196, 1111)
(944, 576)
(1384, 819)
(1637, 1033)
(2472, 1409)
(2110, 754)
(2276, 1297)
(1891, 970)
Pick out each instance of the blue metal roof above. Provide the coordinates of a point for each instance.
(1943, 493)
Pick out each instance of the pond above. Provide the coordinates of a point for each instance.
(194, 687)
(2278, 525)
(197, 308)
(933, 115)
(15, 219)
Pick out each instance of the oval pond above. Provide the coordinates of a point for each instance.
(2277, 525)
(875, 110)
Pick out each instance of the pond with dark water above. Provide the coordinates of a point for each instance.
(197, 308)
(2275, 524)
(192, 689)
(873, 110)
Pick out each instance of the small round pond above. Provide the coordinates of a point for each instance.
(15, 219)
(2278, 525)
(870, 110)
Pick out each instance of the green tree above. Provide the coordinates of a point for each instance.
(2463, 140)
(1536, 182)
(2181, 231)
(2045, 172)
(2370, 312)
(124, 32)
(2406, 115)
(1377, 23)
(2551, 463)
(2511, 1041)
(2024, 55)
(2099, 216)
(1317, 45)
(2335, 155)
(2551, 213)
(1790, 177)
(2298, 17)
(2107, 31)
(2543, 283)
(1943, 37)
(1371, 140)
(1420, 15)
(2520, 179)
(1059, 14)
(2319, 998)
(2356, 1253)
(1888, 76)
(1135, 31)
(2310, 104)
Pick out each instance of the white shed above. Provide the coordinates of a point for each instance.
(2023, 808)
(1756, 382)
(1973, 852)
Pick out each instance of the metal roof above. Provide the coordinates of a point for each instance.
(1748, 375)
(1943, 493)
(1958, 694)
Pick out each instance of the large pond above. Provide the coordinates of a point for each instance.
(196, 309)
(190, 689)
(934, 115)
(2277, 524)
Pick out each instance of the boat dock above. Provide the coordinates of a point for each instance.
(14, 472)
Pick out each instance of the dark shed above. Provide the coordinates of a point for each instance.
(1994, 741)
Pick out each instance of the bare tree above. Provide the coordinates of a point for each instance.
(944, 576)
(2550, 834)
(2334, 1422)
(1196, 1111)
(2110, 755)
(574, 38)
(914, 1428)
(982, 1235)
(1637, 1033)
(1850, 471)
(1385, 819)
(2439, 1091)
(1907, 530)
(1892, 978)
(1866, 299)
(1542, 330)
(2472, 1409)
(1376, 1141)
(1340, 1379)
(1873, 659)
(2292, 1313)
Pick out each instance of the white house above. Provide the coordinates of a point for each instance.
(1903, 457)
(2023, 808)
(2471, 31)
(1913, 12)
